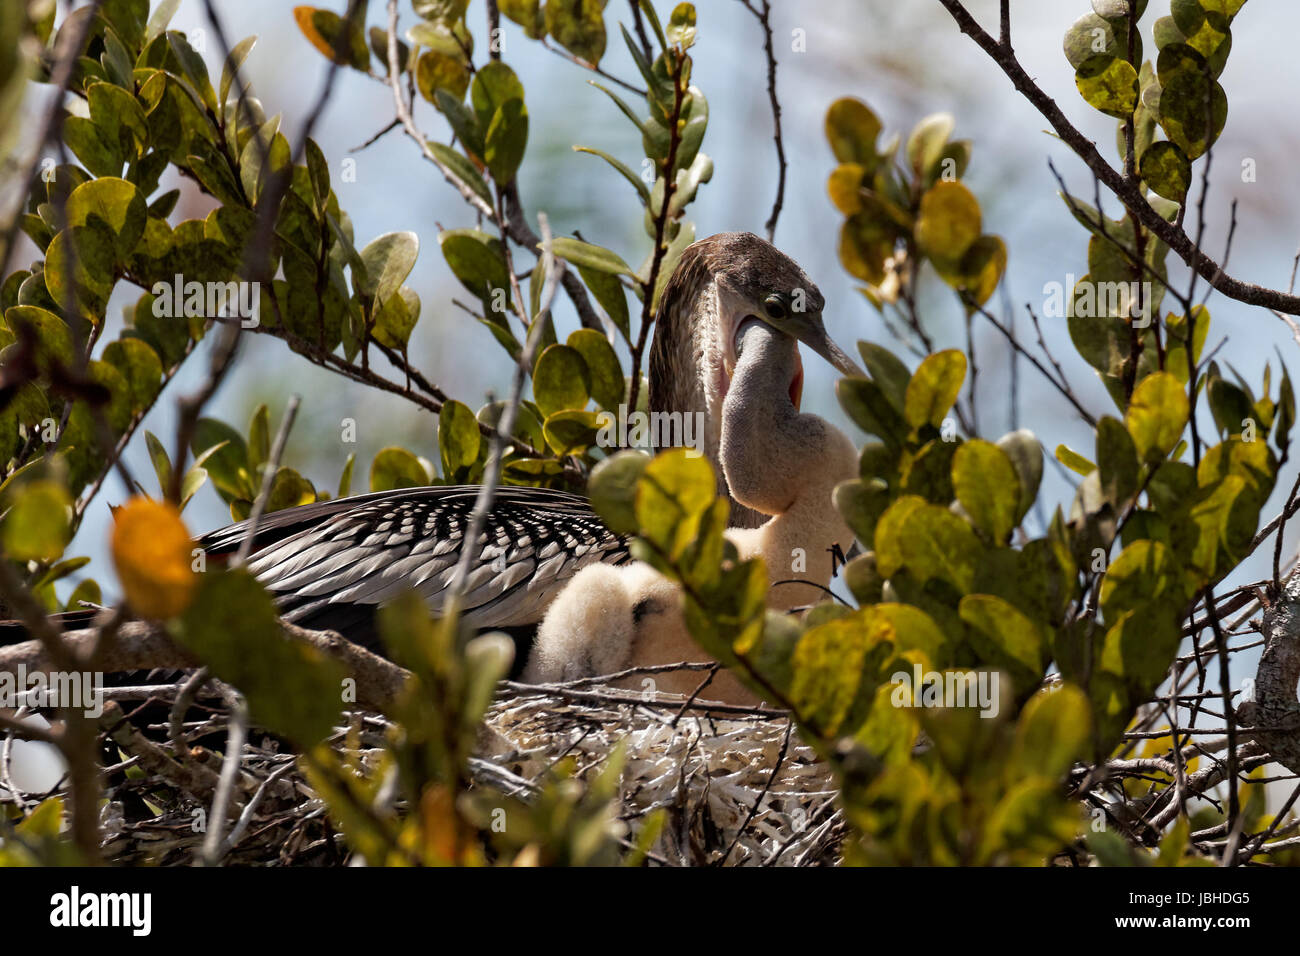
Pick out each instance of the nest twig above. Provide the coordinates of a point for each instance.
(738, 787)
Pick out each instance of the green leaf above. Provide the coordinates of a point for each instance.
(841, 667)
(579, 27)
(1183, 111)
(396, 467)
(228, 467)
(289, 490)
(1005, 637)
(1231, 406)
(396, 318)
(1109, 84)
(238, 54)
(589, 256)
(1157, 415)
(191, 482)
(1091, 36)
(1026, 454)
(379, 47)
(119, 117)
(1052, 733)
(561, 380)
(871, 410)
(389, 259)
(1286, 411)
(93, 249)
(928, 540)
(985, 483)
(1074, 461)
(1166, 170)
(603, 367)
(1117, 463)
(927, 473)
(571, 431)
(90, 144)
(463, 168)
(1144, 573)
(852, 129)
(161, 16)
(458, 439)
(345, 479)
(437, 71)
(979, 270)
(325, 30)
(611, 295)
(626, 111)
(140, 366)
(672, 497)
(53, 337)
(495, 85)
(265, 154)
(680, 30)
(475, 258)
(506, 140)
(462, 122)
(612, 489)
(887, 370)
(528, 14)
(291, 687)
(35, 527)
(1142, 644)
(162, 465)
(861, 503)
(934, 387)
(259, 437)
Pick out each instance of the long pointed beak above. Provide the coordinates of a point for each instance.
(809, 330)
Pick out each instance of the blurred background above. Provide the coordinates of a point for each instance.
(906, 60)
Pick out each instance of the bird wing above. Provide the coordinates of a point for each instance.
(366, 549)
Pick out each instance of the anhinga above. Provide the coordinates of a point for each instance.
(331, 564)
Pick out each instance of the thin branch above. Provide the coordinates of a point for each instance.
(212, 843)
(764, 19)
(1127, 192)
(505, 425)
(268, 481)
(661, 227)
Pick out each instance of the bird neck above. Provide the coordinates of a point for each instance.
(784, 464)
(687, 374)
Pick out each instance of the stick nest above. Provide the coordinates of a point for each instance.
(737, 786)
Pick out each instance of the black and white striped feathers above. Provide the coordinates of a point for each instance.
(330, 564)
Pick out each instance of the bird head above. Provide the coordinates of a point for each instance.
(752, 279)
(719, 284)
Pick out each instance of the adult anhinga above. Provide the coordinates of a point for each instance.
(331, 564)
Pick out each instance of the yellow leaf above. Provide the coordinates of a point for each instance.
(153, 552)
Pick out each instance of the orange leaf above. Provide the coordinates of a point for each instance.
(325, 30)
(153, 552)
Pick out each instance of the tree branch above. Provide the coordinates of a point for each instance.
(1127, 192)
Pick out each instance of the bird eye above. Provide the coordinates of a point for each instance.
(774, 307)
